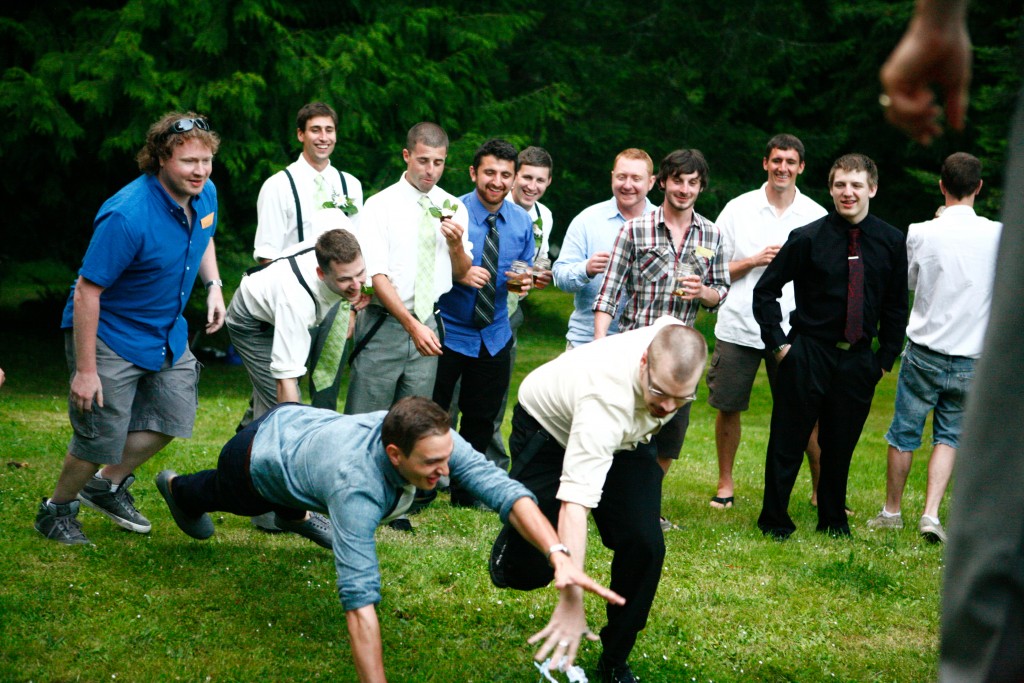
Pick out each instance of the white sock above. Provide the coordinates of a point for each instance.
(889, 515)
(933, 520)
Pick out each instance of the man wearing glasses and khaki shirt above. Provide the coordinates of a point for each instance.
(581, 442)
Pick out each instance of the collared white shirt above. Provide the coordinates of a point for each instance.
(389, 232)
(952, 261)
(591, 401)
(543, 213)
(276, 220)
(748, 224)
(275, 296)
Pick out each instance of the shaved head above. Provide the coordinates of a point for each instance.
(679, 351)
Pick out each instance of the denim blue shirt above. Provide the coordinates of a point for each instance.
(316, 459)
(593, 230)
(146, 257)
(515, 241)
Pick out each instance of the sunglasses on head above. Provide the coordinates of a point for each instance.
(185, 125)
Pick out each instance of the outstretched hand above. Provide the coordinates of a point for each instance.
(568, 624)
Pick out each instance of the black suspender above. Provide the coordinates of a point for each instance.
(298, 204)
(295, 269)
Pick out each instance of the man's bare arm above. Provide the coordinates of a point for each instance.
(86, 386)
(364, 637)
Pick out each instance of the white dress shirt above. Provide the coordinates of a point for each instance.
(276, 222)
(389, 233)
(748, 224)
(952, 262)
(591, 401)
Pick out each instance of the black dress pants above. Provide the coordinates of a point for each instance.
(816, 382)
(627, 519)
(484, 381)
(229, 488)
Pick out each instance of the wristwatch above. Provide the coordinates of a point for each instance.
(219, 283)
(558, 548)
(779, 348)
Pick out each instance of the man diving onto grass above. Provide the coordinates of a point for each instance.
(363, 470)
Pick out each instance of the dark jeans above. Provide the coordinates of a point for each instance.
(816, 382)
(229, 488)
(484, 381)
(627, 519)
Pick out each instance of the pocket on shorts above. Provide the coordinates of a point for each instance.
(83, 422)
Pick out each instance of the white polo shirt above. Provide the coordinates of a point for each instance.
(748, 224)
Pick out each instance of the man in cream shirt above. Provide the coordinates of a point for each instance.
(581, 441)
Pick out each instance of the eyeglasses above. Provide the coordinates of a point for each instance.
(185, 125)
(658, 393)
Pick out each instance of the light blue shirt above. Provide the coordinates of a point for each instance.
(593, 230)
(315, 459)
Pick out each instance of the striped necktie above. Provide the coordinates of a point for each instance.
(483, 310)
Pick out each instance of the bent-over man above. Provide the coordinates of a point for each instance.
(581, 443)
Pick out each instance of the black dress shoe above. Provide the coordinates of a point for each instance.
(614, 673)
(401, 524)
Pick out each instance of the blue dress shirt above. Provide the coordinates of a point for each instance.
(146, 257)
(593, 230)
(515, 242)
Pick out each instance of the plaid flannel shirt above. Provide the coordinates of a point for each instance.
(642, 265)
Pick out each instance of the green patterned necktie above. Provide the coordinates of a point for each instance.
(334, 346)
(322, 194)
(426, 240)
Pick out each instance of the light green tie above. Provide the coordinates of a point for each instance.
(334, 346)
(423, 296)
(322, 194)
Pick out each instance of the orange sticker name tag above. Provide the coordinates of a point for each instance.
(207, 220)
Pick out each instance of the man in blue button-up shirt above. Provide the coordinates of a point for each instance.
(479, 350)
(133, 378)
(363, 470)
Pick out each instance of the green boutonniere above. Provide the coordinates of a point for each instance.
(347, 206)
(447, 210)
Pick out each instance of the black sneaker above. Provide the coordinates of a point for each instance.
(618, 673)
(317, 528)
(200, 527)
(60, 523)
(118, 505)
(496, 563)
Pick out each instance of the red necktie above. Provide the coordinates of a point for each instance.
(854, 289)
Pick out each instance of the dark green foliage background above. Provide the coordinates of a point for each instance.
(81, 81)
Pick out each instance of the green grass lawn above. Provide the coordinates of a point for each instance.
(244, 606)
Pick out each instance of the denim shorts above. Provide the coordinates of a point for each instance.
(929, 381)
(134, 400)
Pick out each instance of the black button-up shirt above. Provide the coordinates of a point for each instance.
(814, 259)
